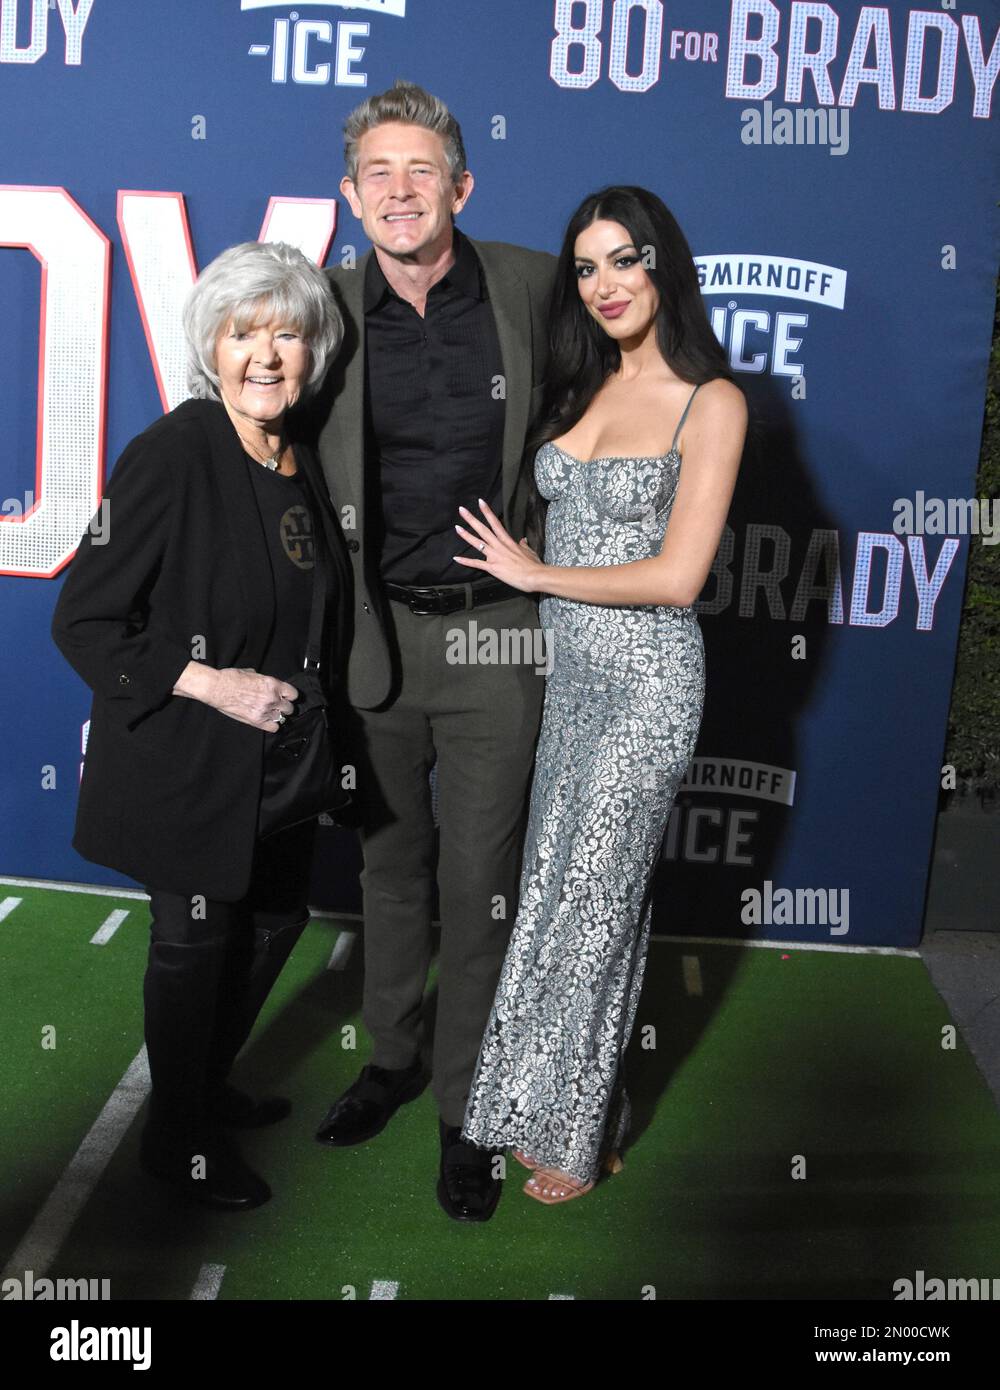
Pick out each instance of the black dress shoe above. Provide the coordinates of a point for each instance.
(222, 1180)
(467, 1189)
(231, 1107)
(366, 1108)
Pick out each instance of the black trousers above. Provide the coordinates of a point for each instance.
(211, 967)
(477, 721)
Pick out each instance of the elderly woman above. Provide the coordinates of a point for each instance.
(187, 625)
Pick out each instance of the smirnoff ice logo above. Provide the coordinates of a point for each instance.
(760, 339)
(309, 50)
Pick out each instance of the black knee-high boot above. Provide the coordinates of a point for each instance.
(179, 992)
(246, 981)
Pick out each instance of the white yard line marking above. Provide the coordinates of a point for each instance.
(8, 905)
(785, 945)
(691, 967)
(208, 1283)
(44, 1237)
(90, 888)
(384, 1289)
(108, 927)
(341, 952)
(95, 890)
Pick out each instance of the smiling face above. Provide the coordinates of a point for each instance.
(612, 281)
(262, 371)
(404, 194)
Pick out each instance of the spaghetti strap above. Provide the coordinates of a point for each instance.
(680, 422)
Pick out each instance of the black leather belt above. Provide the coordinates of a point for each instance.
(449, 598)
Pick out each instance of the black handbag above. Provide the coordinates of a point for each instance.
(302, 776)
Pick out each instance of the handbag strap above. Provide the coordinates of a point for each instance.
(320, 593)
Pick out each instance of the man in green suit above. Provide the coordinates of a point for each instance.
(429, 404)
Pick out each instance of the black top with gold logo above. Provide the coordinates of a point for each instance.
(289, 525)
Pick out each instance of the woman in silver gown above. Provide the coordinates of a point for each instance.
(636, 379)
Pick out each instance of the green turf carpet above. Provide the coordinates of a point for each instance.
(747, 1067)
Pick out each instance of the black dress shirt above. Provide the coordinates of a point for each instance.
(434, 415)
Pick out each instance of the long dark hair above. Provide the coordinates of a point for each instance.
(582, 356)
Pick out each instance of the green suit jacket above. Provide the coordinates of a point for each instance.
(519, 282)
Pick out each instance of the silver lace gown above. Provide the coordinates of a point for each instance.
(623, 704)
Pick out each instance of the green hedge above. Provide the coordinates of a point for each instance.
(974, 720)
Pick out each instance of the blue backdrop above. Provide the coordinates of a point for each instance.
(831, 165)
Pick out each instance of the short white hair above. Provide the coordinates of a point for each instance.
(259, 282)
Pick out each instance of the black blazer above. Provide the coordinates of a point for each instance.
(171, 787)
